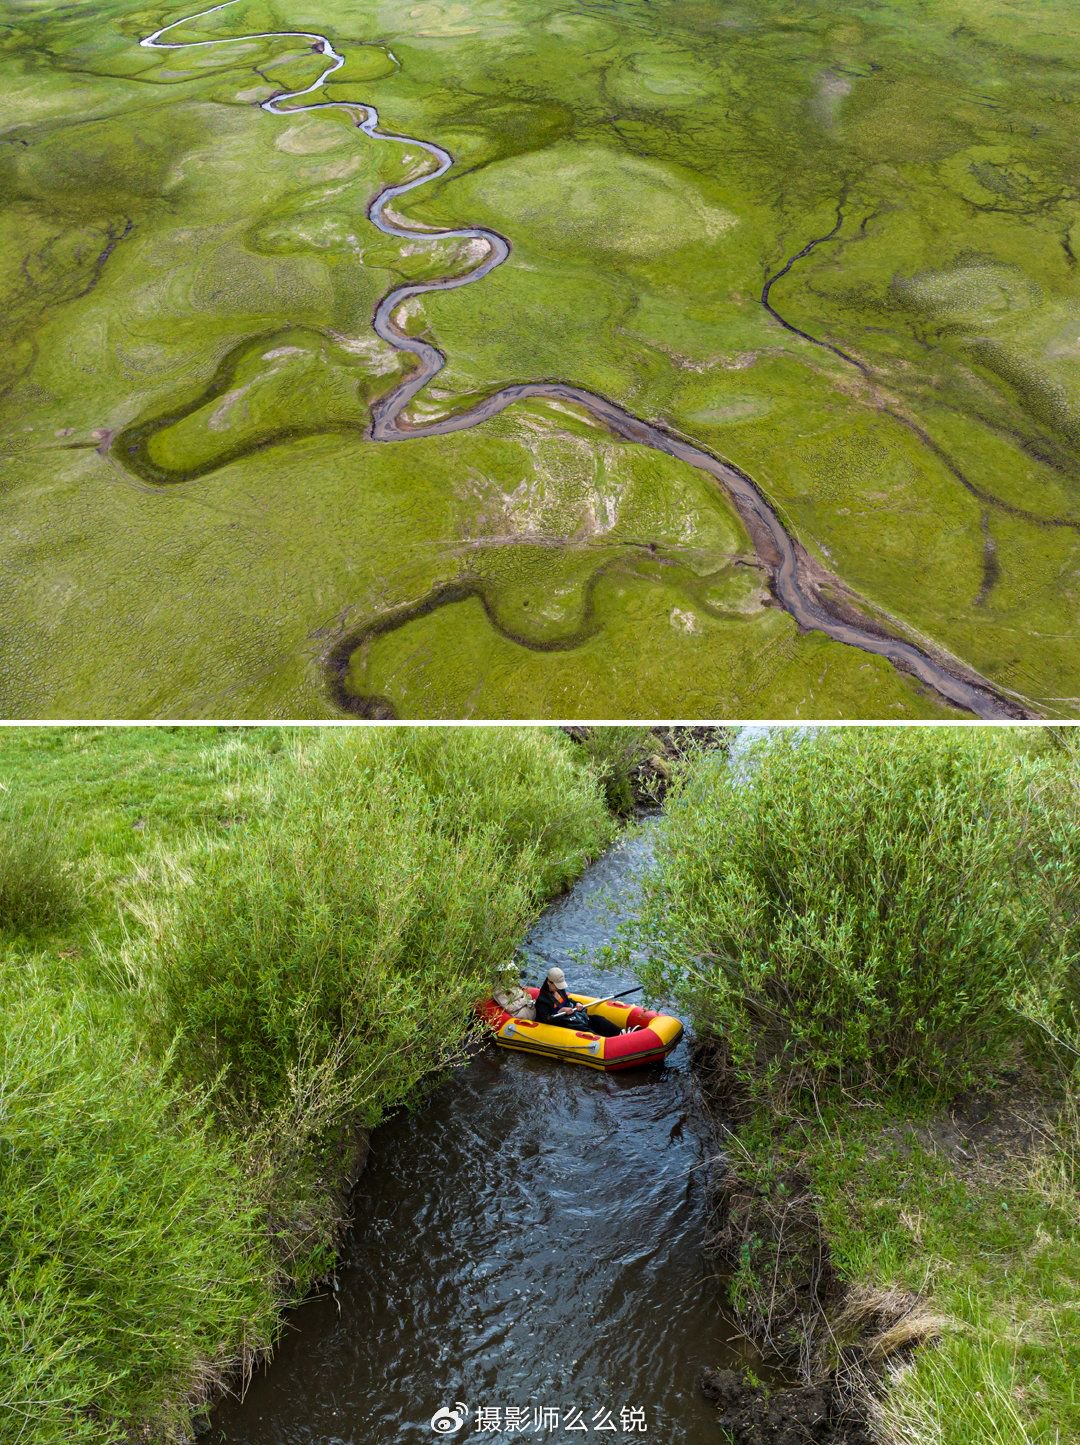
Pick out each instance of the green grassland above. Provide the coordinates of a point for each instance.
(195, 517)
(988, 1239)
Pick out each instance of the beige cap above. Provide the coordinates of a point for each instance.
(557, 977)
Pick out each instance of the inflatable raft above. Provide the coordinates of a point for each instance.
(651, 1036)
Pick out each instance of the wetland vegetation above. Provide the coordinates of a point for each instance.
(226, 954)
(837, 250)
(875, 936)
(255, 944)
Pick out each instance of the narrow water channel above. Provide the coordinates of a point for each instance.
(529, 1240)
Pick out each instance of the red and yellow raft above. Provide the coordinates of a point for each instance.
(650, 1038)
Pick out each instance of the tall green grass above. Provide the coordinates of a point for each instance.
(39, 885)
(989, 1235)
(865, 908)
(133, 1262)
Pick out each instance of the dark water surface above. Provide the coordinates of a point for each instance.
(530, 1238)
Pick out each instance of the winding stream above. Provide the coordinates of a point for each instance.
(456, 1284)
(816, 599)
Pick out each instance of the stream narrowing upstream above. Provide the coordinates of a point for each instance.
(803, 587)
(531, 1237)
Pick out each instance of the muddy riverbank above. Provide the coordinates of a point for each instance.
(774, 1215)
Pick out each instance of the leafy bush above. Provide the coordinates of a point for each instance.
(130, 1264)
(299, 972)
(615, 752)
(360, 923)
(864, 907)
(530, 784)
(1050, 1004)
(39, 887)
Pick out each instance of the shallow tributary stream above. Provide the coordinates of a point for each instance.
(529, 1240)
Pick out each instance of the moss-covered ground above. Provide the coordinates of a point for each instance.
(194, 516)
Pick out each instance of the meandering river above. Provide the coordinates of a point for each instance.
(801, 585)
(531, 1238)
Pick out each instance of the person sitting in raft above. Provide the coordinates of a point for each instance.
(555, 1006)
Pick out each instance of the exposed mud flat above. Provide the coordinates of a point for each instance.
(752, 1415)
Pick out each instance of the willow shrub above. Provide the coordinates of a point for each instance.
(132, 1266)
(616, 753)
(324, 961)
(531, 785)
(862, 907)
(39, 885)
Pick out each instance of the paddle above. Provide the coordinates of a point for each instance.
(585, 1007)
(625, 994)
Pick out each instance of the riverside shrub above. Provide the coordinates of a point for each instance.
(530, 784)
(177, 1114)
(863, 908)
(615, 753)
(327, 960)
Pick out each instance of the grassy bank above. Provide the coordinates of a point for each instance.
(226, 954)
(878, 933)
